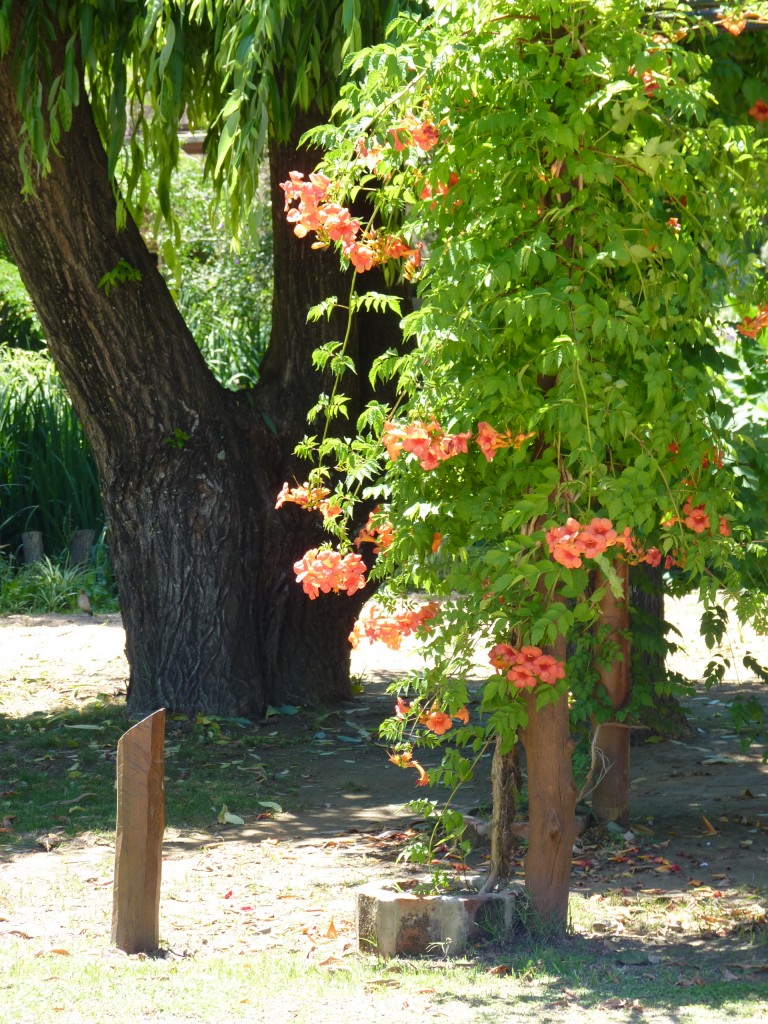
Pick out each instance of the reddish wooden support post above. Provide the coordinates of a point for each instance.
(551, 808)
(139, 838)
(610, 797)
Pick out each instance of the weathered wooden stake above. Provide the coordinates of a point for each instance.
(80, 548)
(139, 838)
(32, 542)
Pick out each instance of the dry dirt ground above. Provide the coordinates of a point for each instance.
(700, 810)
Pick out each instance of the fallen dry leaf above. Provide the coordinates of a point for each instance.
(618, 1003)
(690, 982)
(77, 799)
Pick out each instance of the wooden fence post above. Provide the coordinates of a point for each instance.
(139, 837)
(80, 547)
(32, 542)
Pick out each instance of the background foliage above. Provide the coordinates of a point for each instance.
(47, 476)
(224, 293)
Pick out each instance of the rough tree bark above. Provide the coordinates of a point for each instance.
(189, 471)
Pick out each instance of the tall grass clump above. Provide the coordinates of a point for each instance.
(47, 474)
(53, 586)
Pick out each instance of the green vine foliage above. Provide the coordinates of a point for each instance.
(591, 218)
(240, 70)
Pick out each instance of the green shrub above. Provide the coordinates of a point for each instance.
(51, 586)
(19, 324)
(224, 295)
(47, 475)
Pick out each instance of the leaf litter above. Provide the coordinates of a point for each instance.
(669, 884)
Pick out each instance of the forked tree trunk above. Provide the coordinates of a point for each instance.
(551, 808)
(610, 745)
(189, 472)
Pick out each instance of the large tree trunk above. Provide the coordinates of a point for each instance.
(189, 471)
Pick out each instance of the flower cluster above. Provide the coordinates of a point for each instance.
(327, 570)
(441, 190)
(697, 518)
(334, 223)
(490, 440)
(409, 131)
(751, 325)
(567, 544)
(570, 543)
(432, 445)
(369, 152)
(759, 110)
(435, 720)
(712, 458)
(379, 534)
(650, 85)
(733, 23)
(427, 441)
(309, 497)
(390, 629)
(526, 666)
(404, 759)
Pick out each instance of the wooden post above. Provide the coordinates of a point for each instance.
(551, 808)
(505, 770)
(80, 548)
(610, 797)
(139, 837)
(32, 542)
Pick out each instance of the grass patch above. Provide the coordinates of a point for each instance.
(243, 984)
(38, 588)
(258, 927)
(57, 771)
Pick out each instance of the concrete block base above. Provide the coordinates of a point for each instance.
(392, 923)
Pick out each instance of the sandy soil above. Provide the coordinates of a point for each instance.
(700, 807)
